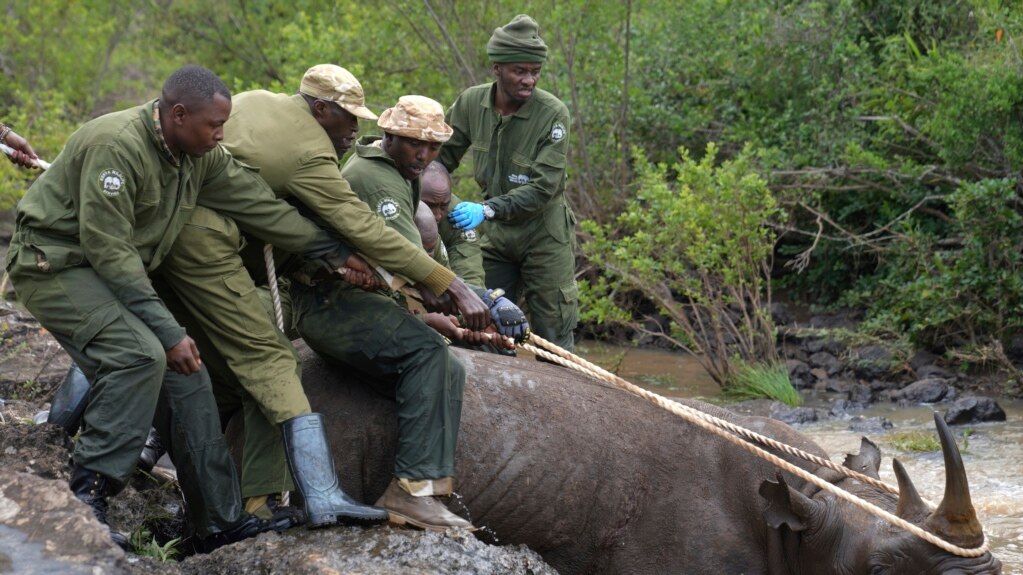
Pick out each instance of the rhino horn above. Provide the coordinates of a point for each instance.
(867, 461)
(911, 506)
(954, 520)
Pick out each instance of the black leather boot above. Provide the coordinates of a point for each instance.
(152, 451)
(249, 526)
(93, 488)
(313, 470)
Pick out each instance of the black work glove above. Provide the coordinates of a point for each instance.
(507, 317)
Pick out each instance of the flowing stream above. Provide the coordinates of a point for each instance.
(992, 452)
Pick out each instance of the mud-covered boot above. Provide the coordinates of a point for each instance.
(249, 526)
(93, 489)
(425, 512)
(152, 451)
(312, 467)
(270, 507)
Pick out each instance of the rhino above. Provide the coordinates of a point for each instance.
(597, 480)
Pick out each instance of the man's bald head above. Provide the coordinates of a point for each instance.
(427, 227)
(435, 189)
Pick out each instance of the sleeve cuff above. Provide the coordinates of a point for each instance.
(439, 280)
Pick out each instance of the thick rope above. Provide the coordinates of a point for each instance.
(271, 278)
(717, 426)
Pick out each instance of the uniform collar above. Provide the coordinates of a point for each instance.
(161, 142)
(523, 112)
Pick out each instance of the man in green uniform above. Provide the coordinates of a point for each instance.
(295, 141)
(462, 247)
(371, 332)
(519, 138)
(89, 232)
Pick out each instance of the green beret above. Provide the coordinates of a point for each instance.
(517, 41)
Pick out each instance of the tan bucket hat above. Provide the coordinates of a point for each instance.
(416, 117)
(334, 83)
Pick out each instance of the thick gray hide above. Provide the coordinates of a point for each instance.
(594, 479)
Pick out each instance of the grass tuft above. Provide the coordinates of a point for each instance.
(763, 381)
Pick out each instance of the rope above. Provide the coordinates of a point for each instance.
(717, 426)
(271, 278)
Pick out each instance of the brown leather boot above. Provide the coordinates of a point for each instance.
(422, 512)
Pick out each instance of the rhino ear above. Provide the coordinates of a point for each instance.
(786, 506)
(867, 461)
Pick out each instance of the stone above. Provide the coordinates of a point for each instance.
(861, 424)
(799, 373)
(826, 361)
(931, 390)
(793, 415)
(974, 409)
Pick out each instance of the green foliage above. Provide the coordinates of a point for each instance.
(696, 242)
(964, 290)
(914, 440)
(756, 381)
(144, 544)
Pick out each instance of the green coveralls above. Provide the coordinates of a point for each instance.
(463, 250)
(519, 163)
(371, 332)
(277, 134)
(89, 231)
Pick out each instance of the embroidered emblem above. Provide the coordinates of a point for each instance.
(112, 182)
(518, 178)
(469, 235)
(387, 208)
(558, 132)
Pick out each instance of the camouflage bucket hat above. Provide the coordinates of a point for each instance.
(416, 117)
(334, 83)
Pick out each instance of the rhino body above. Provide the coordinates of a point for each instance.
(597, 480)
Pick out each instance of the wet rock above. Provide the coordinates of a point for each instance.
(45, 529)
(376, 551)
(799, 373)
(871, 361)
(860, 394)
(861, 424)
(838, 385)
(819, 374)
(925, 391)
(826, 361)
(842, 407)
(791, 350)
(974, 410)
(813, 345)
(921, 358)
(834, 347)
(793, 415)
(934, 371)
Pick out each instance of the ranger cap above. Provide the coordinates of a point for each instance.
(335, 84)
(416, 117)
(517, 41)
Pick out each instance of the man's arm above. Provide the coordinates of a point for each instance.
(320, 187)
(463, 248)
(106, 208)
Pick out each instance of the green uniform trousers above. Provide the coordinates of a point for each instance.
(537, 255)
(254, 366)
(402, 355)
(132, 389)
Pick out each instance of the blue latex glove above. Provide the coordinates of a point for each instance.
(507, 317)
(466, 215)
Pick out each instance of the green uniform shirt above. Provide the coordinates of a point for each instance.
(115, 201)
(519, 160)
(377, 181)
(463, 250)
(279, 134)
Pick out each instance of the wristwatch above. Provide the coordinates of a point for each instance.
(488, 212)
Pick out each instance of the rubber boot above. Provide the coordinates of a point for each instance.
(422, 512)
(93, 488)
(312, 467)
(69, 400)
(152, 451)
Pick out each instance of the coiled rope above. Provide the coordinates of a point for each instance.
(720, 427)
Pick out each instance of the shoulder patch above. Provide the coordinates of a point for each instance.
(111, 182)
(558, 132)
(469, 235)
(387, 208)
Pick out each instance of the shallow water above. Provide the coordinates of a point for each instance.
(993, 452)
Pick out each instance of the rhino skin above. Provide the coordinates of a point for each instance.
(597, 480)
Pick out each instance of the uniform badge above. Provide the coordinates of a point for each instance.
(111, 181)
(558, 132)
(469, 235)
(387, 208)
